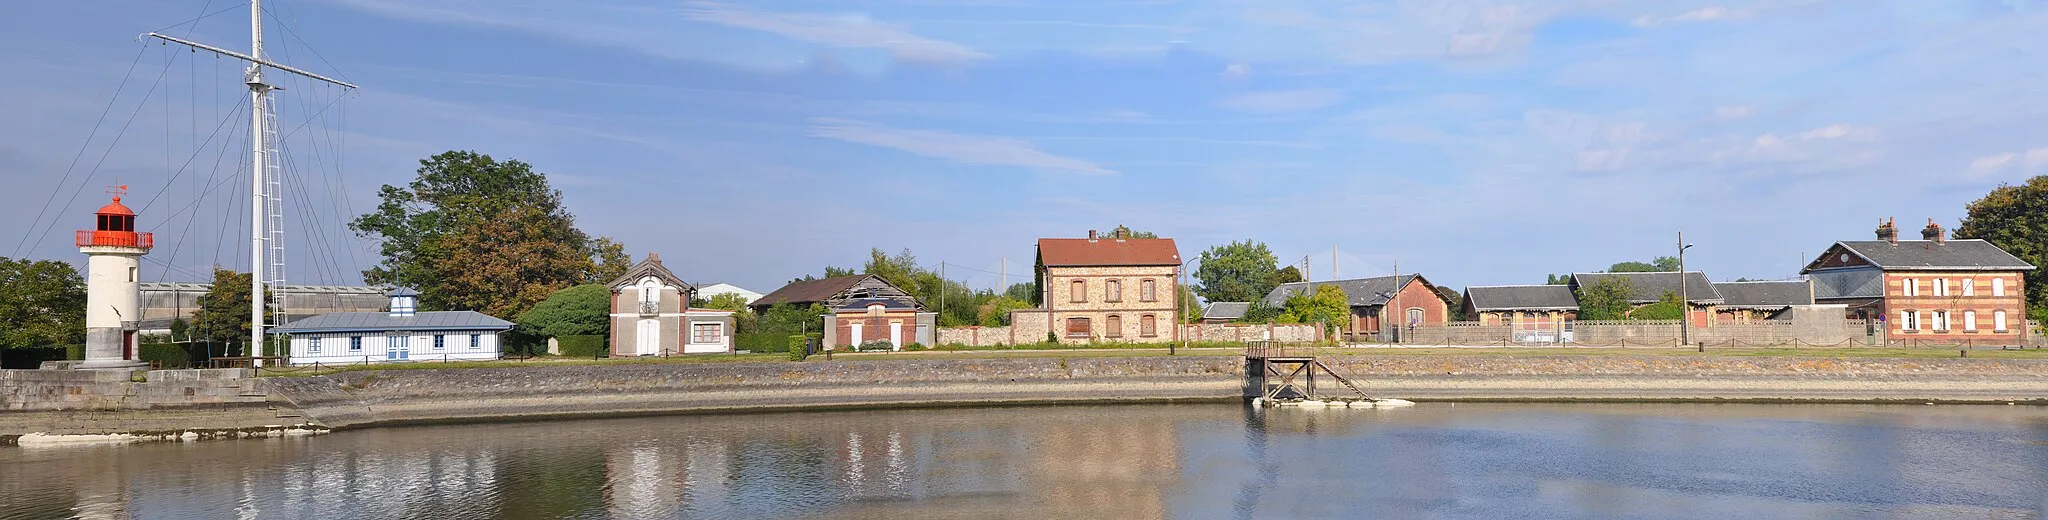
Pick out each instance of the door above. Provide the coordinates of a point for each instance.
(853, 339)
(895, 335)
(647, 340)
(398, 346)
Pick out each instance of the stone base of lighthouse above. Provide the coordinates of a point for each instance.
(110, 348)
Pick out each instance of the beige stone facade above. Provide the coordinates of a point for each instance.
(1086, 304)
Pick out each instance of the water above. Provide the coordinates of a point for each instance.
(1183, 461)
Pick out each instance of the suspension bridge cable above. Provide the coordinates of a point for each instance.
(82, 147)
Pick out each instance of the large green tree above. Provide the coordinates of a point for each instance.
(1606, 299)
(222, 319)
(582, 310)
(1327, 306)
(1237, 272)
(2015, 218)
(473, 232)
(785, 318)
(42, 304)
(1655, 265)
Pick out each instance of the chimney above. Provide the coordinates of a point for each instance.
(1091, 235)
(1932, 232)
(654, 258)
(1122, 233)
(1887, 232)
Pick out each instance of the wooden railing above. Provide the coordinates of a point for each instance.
(1274, 349)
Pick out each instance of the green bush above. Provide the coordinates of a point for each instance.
(798, 344)
(74, 352)
(582, 345)
(165, 354)
(760, 341)
(33, 357)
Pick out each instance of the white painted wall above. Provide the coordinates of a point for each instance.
(111, 294)
(334, 347)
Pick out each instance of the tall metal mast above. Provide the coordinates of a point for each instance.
(266, 186)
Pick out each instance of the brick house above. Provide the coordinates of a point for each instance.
(1928, 289)
(1751, 302)
(651, 315)
(1649, 288)
(1380, 305)
(1108, 288)
(860, 308)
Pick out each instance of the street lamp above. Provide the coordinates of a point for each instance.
(1684, 300)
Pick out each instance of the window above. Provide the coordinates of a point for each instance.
(1077, 292)
(313, 345)
(1909, 320)
(1148, 326)
(1148, 291)
(1912, 287)
(1941, 287)
(1998, 287)
(1998, 321)
(476, 341)
(1113, 291)
(355, 343)
(875, 309)
(1414, 316)
(1969, 287)
(132, 272)
(1114, 326)
(707, 333)
(1940, 321)
(1969, 317)
(440, 342)
(1077, 328)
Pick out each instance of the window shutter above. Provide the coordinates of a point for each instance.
(1969, 317)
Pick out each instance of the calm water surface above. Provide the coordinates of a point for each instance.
(1181, 461)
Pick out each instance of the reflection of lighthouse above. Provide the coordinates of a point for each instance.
(112, 290)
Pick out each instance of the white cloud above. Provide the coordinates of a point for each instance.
(1982, 166)
(965, 148)
(1732, 112)
(1706, 14)
(843, 31)
(1237, 71)
(1280, 101)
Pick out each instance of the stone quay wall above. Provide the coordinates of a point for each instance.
(70, 390)
(1024, 333)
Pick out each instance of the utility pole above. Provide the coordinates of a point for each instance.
(266, 212)
(1684, 300)
(1335, 274)
(942, 290)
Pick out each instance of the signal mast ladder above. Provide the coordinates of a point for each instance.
(1296, 369)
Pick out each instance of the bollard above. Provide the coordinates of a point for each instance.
(1965, 353)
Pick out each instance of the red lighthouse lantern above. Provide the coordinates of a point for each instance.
(116, 227)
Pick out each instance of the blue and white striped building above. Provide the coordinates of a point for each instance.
(400, 334)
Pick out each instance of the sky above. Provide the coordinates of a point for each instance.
(1476, 142)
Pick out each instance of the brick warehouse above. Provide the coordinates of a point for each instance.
(1113, 288)
(1931, 289)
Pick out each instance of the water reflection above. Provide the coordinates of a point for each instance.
(1220, 461)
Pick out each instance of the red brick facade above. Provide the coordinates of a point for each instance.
(1930, 305)
(874, 325)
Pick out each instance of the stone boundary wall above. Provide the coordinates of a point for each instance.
(78, 390)
(1000, 336)
(1833, 332)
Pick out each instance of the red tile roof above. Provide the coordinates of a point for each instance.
(1071, 252)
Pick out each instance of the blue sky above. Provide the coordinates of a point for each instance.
(1481, 142)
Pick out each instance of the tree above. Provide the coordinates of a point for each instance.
(1237, 272)
(1557, 279)
(725, 302)
(1328, 306)
(1655, 265)
(785, 318)
(996, 312)
(1666, 308)
(1133, 234)
(2015, 218)
(1024, 291)
(1260, 312)
(1190, 306)
(1285, 275)
(1606, 299)
(223, 314)
(42, 304)
(1454, 303)
(471, 232)
(583, 310)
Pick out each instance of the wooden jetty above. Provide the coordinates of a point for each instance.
(1282, 375)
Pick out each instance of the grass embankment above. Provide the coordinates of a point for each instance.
(1128, 350)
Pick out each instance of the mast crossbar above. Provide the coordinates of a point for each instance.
(248, 58)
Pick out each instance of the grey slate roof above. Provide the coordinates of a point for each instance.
(1770, 295)
(402, 291)
(1363, 292)
(1225, 310)
(384, 321)
(1650, 287)
(1521, 297)
(1928, 255)
(887, 303)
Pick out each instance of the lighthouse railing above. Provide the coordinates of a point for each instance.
(116, 238)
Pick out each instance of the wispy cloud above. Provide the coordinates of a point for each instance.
(1990, 163)
(843, 31)
(965, 148)
(1707, 14)
(1732, 112)
(1281, 101)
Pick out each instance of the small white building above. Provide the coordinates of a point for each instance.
(716, 289)
(651, 315)
(400, 334)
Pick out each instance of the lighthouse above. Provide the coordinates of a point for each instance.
(113, 289)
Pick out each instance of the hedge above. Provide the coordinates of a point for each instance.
(760, 342)
(169, 354)
(799, 345)
(33, 357)
(589, 346)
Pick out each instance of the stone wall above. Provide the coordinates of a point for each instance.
(1024, 333)
(1232, 332)
(76, 390)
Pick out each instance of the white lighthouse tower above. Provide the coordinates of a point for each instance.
(113, 291)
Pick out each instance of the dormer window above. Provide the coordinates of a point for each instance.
(404, 302)
(875, 309)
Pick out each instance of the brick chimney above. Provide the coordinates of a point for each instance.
(1091, 235)
(1933, 232)
(654, 258)
(1122, 233)
(1888, 232)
